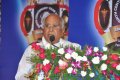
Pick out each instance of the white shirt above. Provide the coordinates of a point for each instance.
(25, 65)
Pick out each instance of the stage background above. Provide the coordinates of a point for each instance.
(82, 30)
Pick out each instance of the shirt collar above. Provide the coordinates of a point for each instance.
(45, 43)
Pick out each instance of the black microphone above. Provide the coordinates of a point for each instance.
(52, 38)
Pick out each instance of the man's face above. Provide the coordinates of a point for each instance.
(28, 20)
(52, 26)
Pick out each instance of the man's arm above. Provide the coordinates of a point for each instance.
(24, 65)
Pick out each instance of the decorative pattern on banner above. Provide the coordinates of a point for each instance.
(115, 30)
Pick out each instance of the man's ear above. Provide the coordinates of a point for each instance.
(63, 30)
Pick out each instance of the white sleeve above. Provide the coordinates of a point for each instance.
(24, 65)
(76, 45)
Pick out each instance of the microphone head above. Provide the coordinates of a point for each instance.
(52, 38)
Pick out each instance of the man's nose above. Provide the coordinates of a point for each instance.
(51, 28)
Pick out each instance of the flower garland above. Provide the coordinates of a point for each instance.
(71, 63)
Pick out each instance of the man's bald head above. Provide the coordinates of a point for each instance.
(57, 17)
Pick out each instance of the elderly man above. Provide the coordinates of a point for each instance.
(53, 31)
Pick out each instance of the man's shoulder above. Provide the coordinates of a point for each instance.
(68, 43)
(37, 42)
(31, 47)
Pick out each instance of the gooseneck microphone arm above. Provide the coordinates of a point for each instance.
(52, 38)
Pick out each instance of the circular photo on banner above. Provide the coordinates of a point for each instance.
(28, 21)
(104, 14)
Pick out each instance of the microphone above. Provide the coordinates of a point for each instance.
(52, 38)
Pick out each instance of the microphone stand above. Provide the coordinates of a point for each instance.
(54, 45)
